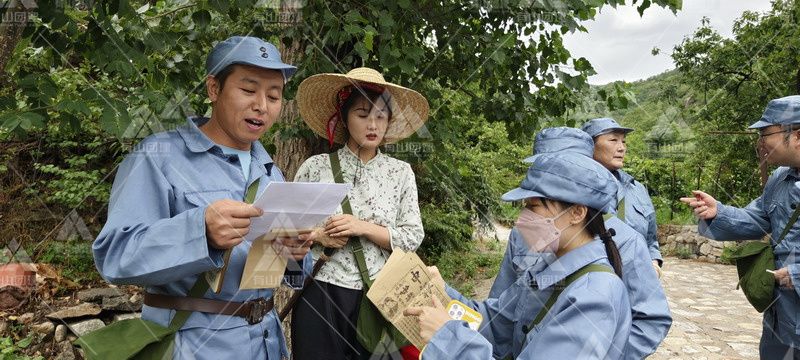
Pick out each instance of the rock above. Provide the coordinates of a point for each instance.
(3, 326)
(65, 351)
(671, 238)
(135, 299)
(71, 338)
(84, 327)
(120, 317)
(120, 303)
(25, 318)
(701, 240)
(46, 328)
(84, 309)
(12, 297)
(705, 249)
(61, 333)
(98, 295)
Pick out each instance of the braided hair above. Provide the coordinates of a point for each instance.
(595, 225)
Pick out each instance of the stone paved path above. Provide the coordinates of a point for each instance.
(711, 319)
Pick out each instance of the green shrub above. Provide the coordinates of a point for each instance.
(725, 258)
(74, 257)
(9, 349)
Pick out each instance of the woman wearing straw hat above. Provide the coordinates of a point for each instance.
(361, 111)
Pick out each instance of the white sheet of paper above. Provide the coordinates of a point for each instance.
(296, 205)
(293, 206)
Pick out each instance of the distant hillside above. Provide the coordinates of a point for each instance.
(659, 108)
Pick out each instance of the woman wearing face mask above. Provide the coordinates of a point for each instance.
(651, 318)
(632, 203)
(575, 308)
(361, 111)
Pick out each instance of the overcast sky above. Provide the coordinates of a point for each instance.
(619, 41)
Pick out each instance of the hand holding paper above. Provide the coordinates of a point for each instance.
(405, 282)
(283, 207)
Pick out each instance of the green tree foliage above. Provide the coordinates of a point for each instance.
(691, 122)
(734, 79)
(115, 71)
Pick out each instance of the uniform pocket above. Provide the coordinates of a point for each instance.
(643, 210)
(204, 198)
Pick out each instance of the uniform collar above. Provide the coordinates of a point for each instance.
(570, 263)
(197, 141)
(623, 177)
(792, 174)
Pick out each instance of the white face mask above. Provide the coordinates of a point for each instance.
(539, 232)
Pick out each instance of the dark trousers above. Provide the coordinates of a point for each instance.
(324, 325)
(771, 348)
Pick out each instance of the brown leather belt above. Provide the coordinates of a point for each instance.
(253, 311)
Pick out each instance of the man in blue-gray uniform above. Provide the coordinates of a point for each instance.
(177, 205)
(778, 144)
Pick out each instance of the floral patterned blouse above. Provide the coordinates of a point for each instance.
(384, 193)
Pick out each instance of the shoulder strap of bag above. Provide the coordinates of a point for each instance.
(620, 211)
(559, 288)
(791, 222)
(201, 286)
(355, 242)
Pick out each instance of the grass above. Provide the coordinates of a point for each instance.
(464, 270)
(74, 258)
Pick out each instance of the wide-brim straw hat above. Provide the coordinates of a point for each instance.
(317, 102)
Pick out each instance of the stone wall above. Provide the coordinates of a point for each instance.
(684, 241)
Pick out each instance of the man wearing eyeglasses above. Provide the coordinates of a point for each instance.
(771, 213)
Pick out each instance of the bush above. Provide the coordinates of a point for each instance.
(445, 232)
(74, 257)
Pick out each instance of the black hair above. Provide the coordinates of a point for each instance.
(363, 93)
(223, 74)
(789, 129)
(596, 226)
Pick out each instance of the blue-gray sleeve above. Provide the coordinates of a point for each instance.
(141, 242)
(498, 317)
(516, 261)
(651, 236)
(455, 340)
(732, 223)
(507, 274)
(651, 318)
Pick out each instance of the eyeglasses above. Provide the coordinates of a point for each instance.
(761, 135)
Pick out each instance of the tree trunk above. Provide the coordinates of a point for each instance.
(11, 27)
(291, 152)
(797, 82)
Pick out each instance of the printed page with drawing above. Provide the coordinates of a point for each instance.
(405, 282)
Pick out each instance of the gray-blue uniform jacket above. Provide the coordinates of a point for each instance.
(155, 236)
(639, 211)
(651, 318)
(769, 214)
(590, 320)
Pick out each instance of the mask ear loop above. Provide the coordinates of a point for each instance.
(559, 215)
